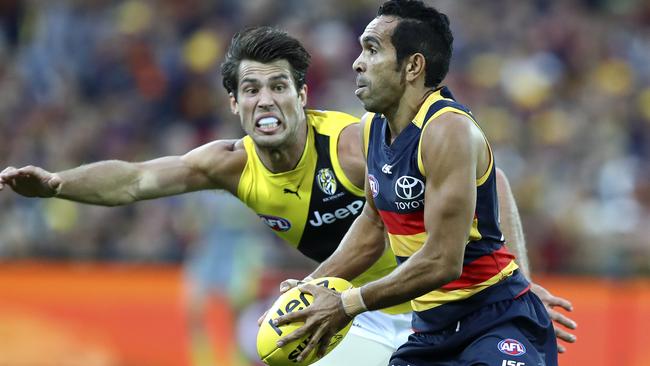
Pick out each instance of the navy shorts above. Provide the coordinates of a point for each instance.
(515, 332)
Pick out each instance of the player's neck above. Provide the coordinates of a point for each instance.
(403, 113)
(286, 157)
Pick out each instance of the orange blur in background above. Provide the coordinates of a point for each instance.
(107, 315)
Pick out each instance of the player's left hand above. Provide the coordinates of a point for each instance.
(550, 302)
(323, 319)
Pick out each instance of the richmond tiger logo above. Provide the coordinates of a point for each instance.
(326, 181)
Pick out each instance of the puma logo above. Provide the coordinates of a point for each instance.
(287, 190)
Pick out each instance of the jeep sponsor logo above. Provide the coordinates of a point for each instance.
(327, 218)
(276, 223)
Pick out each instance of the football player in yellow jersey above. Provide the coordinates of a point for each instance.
(301, 171)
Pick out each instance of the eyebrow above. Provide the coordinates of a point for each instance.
(256, 81)
(279, 77)
(370, 39)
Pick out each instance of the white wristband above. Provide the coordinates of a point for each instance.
(353, 302)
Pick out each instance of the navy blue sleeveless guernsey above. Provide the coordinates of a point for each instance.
(397, 182)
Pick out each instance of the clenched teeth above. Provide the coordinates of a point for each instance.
(268, 122)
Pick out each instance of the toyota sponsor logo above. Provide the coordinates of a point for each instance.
(409, 188)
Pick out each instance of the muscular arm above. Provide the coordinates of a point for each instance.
(450, 201)
(511, 223)
(452, 151)
(114, 182)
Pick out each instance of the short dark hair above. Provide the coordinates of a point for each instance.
(263, 44)
(424, 30)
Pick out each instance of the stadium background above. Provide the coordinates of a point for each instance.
(562, 89)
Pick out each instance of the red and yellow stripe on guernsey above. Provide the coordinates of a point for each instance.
(407, 235)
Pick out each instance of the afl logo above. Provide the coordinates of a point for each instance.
(511, 347)
(374, 185)
(326, 181)
(276, 223)
(408, 188)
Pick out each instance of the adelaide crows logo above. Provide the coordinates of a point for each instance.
(326, 181)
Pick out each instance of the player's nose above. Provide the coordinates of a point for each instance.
(265, 98)
(358, 65)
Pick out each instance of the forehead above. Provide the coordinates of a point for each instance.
(380, 29)
(250, 70)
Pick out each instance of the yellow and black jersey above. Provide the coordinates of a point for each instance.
(397, 180)
(312, 206)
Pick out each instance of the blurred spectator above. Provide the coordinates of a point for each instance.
(562, 88)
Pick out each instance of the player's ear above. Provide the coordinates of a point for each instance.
(302, 94)
(414, 66)
(233, 103)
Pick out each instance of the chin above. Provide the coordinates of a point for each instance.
(270, 142)
(370, 106)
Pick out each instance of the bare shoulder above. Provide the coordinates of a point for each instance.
(351, 155)
(450, 125)
(454, 140)
(222, 161)
(349, 140)
(452, 133)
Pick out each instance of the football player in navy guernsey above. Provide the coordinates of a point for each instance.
(431, 185)
(302, 171)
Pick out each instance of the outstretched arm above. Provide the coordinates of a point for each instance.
(514, 234)
(114, 182)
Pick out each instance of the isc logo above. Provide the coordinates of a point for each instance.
(511, 347)
(512, 363)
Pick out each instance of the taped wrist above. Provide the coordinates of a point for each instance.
(353, 302)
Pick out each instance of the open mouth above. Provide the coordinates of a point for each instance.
(361, 85)
(268, 124)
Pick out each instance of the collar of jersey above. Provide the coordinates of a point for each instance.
(303, 158)
(422, 113)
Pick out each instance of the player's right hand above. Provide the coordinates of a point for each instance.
(30, 181)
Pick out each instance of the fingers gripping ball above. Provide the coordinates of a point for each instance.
(293, 300)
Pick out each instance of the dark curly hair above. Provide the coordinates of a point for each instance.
(422, 29)
(263, 44)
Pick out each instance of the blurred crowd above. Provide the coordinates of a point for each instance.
(561, 87)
